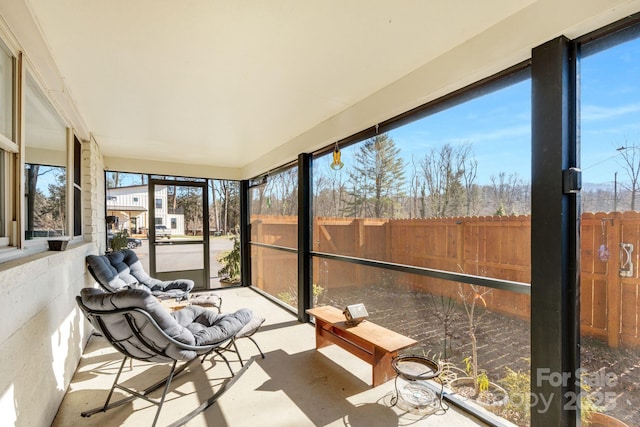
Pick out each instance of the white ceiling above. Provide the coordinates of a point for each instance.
(225, 83)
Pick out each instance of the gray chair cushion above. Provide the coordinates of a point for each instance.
(192, 325)
(251, 327)
(206, 299)
(123, 270)
(210, 327)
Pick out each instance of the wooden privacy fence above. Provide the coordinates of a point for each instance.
(496, 246)
(609, 302)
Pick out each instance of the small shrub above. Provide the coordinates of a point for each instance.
(119, 240)
(231, 262)
(290, 297)
(518, 385)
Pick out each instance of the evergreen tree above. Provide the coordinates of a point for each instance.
(376, 179)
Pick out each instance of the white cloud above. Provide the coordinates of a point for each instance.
(594, 112)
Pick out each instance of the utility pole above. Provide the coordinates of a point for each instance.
(615, 191)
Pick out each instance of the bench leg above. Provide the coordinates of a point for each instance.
(382, 369)
(320, 340)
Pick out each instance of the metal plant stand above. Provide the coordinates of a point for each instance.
(416, 396)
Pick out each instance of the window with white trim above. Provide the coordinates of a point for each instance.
(7, 143)
(45, 177)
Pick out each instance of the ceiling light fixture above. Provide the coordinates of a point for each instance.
(337, 164)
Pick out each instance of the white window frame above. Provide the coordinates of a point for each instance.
(10, 149)
(12, 170)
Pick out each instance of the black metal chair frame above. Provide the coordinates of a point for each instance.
(235, 350)
(95, 317)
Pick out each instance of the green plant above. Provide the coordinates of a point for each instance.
(518, 385)
(483, 382)
(119, 240)
(317, 291)
(588, 406)
(467, 365)
(231, 262)
(448, 372)
(290, 297)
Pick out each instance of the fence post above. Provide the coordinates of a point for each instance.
(614, 238)
(460, 243)
(388, 237)
(259, 255)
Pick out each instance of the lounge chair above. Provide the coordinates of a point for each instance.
(135, 323)
(123, 270)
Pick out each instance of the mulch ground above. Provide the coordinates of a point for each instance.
(503, 341)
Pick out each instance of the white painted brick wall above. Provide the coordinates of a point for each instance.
(43, 332)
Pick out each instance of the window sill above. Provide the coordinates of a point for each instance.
(8, 253)
(32, 248)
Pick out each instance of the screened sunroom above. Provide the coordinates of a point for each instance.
(466, 171)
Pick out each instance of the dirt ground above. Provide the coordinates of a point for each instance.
(503, 342)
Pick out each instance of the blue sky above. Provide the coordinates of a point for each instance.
(610, 116)
(497, 125)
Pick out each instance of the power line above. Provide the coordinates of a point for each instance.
(600, 162)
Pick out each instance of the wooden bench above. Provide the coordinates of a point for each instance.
(372, 343)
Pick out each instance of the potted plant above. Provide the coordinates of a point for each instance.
(58, 244)
(476, 384)
(591, 414)
(119, 240)
(600, 419)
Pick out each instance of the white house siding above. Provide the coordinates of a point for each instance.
(138, 196)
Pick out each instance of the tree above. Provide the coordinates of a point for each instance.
(116, 179)
(328, 192)
(113, 179)
(224, 213)
(278, 196)
(190, 200)
(45, 209)
(57, 201)
(631, 165)
(469, 174)
(504, 192)
(376, 179)
(472, 296)
(214, 210)
(418, 193)
(231, 204)
(31, 187)
(283, 194)
(449, 173)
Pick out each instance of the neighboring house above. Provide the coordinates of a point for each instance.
(130, 205)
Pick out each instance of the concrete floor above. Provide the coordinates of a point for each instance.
(295, 385)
